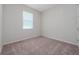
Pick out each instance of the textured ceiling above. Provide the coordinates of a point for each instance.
(41, 7)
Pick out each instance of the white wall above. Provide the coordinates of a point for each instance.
(78, 23)
(60, 23)
(0, 27)
(12, 28)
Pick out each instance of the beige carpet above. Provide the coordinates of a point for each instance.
(40, 46)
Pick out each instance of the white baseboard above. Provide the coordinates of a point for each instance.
(20, 40)
(43, 36)
(62, 40)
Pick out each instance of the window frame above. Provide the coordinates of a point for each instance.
(32, 20)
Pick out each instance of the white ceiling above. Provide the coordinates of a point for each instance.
(40, 7)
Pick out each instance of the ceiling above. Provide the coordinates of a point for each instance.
(40, 7)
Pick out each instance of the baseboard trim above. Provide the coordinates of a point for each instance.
(39, 36)
(61, 40)
(20, 40)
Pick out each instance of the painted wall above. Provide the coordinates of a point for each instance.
(60, 22)
(0, 27)
(12, 28)
(78, 23)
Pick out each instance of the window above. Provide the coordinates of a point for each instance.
(27, 20)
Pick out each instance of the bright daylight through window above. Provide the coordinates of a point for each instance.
(27, 20)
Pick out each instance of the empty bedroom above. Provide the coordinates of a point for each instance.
(39, 29)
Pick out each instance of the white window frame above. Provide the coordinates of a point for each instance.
(29, 13)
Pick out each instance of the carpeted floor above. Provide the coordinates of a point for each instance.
(40, 46)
